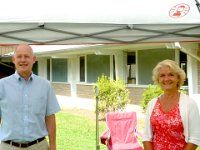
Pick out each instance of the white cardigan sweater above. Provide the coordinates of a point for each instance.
(190, 117)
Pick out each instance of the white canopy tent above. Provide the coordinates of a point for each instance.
(94, 22)
(121, 22)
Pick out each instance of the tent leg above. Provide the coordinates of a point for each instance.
(97, 119)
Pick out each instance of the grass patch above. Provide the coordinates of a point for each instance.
(77, 132)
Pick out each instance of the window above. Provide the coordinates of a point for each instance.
(35, 68)
(96, 66)
(131, 67)
(114, 71)
(82, 69)
(183, 65)
(59, 70)
(48, 69)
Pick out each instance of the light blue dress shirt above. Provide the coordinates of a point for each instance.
(23, 107)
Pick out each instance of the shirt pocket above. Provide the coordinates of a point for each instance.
(38, 105)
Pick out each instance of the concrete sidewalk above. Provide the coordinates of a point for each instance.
(74, 102)
(89, 104)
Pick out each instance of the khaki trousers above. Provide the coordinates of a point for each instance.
(43, 145)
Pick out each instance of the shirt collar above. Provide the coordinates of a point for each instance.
(18, 77)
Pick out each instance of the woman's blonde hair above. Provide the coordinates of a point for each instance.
(174, 67)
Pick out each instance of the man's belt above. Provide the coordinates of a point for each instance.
(24, 145)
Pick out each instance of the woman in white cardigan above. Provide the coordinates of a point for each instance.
(172, 119)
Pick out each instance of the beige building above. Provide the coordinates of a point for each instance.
(74, 70)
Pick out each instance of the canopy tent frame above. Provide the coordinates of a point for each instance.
(106, 36)
(198, 5)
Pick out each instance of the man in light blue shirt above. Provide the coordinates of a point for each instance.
(27, 106)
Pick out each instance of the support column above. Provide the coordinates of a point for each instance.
(192, 75)
(72, 75)
(192, 67)
(120, 65)
(42, 67)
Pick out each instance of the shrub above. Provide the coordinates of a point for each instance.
(151, 92)
(112, 96)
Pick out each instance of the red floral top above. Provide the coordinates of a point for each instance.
(167, 129)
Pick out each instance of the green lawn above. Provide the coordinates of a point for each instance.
(77, 132)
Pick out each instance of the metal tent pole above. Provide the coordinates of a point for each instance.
(97, 118)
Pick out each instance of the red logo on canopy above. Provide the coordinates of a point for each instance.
(179, 10)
